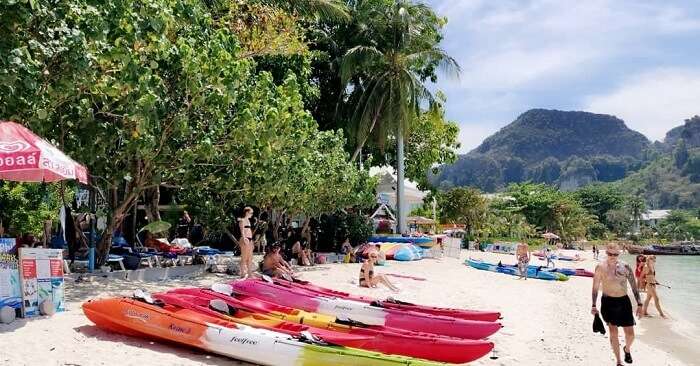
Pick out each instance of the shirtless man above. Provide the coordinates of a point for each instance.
(522, 253)
(274, 265)
(615, 305)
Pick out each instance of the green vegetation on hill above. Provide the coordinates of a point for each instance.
(568, 149)
(664, 185)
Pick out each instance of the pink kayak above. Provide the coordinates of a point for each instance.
(489, 316)
(364, 313)
(257, 313)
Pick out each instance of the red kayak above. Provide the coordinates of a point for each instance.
(489, 316)
(361, 312)
(261, 315)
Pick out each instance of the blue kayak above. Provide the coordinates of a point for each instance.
(513, 271)
(401, 239)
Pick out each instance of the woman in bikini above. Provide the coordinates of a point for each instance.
(369, 279)
(641, 261)
(246, 243)
(649, 275)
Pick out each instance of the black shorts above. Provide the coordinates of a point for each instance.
(617, 311)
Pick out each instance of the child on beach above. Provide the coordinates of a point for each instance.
(369, 279)
(615, 304)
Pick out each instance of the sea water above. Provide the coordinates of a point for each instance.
(682, 274)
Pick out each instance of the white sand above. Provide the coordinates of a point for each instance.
(546, 323)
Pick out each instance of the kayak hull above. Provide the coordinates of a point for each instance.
(364, 313)
(453, 350)
(455, 313)
(244, 343)
(532, 273)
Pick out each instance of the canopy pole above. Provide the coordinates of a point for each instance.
(91, 240)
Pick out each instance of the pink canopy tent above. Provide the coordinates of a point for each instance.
(26, 157)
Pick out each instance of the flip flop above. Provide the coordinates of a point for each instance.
(628, 355)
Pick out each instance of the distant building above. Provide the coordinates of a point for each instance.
(386, 189)
(652, 217)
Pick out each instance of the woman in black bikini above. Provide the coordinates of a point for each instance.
(649, 275)
(369, 279)
(246, 243)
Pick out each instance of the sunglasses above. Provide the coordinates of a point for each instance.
(612, 254)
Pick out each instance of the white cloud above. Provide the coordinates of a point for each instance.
(508, 44)
(472, 134)
(653, 102)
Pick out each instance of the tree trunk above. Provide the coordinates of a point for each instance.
(305, 231)
(116, 218)
(400, 202)
(151, 198)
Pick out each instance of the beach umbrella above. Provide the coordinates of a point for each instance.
(157, 227)
(550, 236)
(26, 157)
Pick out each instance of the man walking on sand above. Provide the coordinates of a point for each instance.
(615, 304)
(522, 253)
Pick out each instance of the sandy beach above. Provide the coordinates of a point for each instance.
(545, 323)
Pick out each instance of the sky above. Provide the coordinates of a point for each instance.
(636, 59)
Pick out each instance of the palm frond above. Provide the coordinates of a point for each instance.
(330, 10)
(356, 59)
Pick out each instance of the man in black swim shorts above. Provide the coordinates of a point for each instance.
(615, 304)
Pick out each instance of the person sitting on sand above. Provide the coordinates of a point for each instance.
(381, 256)
(274, 265)
(367, 276)
(522, 253)
(615, 304)
(641, 261)
(305, 255)
(649, 275)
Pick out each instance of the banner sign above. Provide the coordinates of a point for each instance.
(10, 294)
(41, 274)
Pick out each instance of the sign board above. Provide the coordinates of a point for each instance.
(41, 279)
(10, 294)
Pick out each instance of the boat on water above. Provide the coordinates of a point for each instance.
(671, 249)
(677, 249)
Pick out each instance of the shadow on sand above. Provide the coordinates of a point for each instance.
(189, 353)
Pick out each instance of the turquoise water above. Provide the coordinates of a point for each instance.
(682, 274)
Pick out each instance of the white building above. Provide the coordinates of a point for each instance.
(653, 217)
(386, 189)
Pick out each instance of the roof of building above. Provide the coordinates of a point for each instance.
(655, 215)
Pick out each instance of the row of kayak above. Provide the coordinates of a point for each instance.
(539, 272)
(298, 323)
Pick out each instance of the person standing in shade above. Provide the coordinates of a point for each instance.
(246, 243)
(615, 305)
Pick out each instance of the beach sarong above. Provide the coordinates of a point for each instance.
(617, 311)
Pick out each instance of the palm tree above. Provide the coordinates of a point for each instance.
(389, 74)
(636, 208)
(332, 10)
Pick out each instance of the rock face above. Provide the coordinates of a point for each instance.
(689, 132)
(569, 149)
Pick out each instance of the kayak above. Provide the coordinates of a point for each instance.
(557, 257)
(365, 313)
(398, 305)
(401, 239)
(173, 324)
(565, 271)
(513, 271)
(269, 316)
